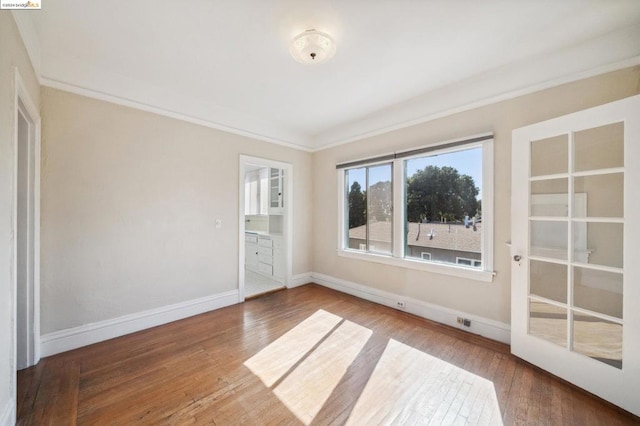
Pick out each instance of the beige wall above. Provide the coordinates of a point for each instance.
(129, 202)
(12, 54)
(489, 300)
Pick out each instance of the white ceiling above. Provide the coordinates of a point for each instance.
(226, 64)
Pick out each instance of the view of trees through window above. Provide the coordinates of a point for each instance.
(443, 209)
(370, 208)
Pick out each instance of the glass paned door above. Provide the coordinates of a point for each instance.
(576, 237)
(575, 285)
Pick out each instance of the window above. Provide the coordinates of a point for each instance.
(256, 192)
(443, 207)
(368, 208)
(468, 262)
(427, 209)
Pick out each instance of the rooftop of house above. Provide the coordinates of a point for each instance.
(452, 236)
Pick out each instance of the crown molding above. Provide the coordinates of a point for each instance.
(614, 51)
(172, 106)
(118, 100)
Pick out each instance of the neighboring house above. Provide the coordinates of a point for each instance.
(438, 242)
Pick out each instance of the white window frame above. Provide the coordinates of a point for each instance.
(472, 262)
(344, 211)
(397, 258)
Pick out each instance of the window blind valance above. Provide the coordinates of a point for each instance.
(414, 152)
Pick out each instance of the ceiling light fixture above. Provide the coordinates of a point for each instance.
(312, 47)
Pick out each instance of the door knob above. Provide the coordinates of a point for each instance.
(517, 258)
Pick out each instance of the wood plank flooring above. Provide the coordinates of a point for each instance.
(309, 355)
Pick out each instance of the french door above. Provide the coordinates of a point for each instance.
(575, 296)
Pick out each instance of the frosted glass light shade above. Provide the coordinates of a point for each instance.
(312, 47)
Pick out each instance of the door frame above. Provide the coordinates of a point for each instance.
(245, 161)
(24, 105)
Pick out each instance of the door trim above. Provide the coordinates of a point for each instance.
(246, 160)
(23, 104)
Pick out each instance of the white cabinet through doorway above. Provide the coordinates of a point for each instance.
(276, 191)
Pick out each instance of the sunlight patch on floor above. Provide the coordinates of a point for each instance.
(409, 386)
(308, 387)
(272, 362)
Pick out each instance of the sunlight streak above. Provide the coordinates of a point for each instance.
(272, 362)
(308, 387)
(410, 386)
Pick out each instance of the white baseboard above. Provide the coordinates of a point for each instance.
(491, 329)
(300, 279)
(8, 414)
(72, 338)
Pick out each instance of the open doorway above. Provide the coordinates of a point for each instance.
(27, 226)
(265, 226)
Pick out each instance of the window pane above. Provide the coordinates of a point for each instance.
(598, 291)
(598, 338)
(549, 197)
(550, 156)
(548, 239)
(598, 243)
(548, 322)
(444, 207)
(548, 280)
(599, 147)
(356, 214)
(379, 201)
(599, 195)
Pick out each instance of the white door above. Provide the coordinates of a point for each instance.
(576, 249)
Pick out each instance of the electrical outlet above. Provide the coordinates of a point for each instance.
(464, 321)
(400, 304)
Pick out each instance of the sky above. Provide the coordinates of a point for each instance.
(467, 162)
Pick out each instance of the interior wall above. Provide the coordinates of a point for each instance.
(12, 54)
(129, 203)
(489, 300)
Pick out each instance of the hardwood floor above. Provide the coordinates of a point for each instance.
(304, 356)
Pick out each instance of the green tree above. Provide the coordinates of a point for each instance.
(436, 194)
(357, 206)
(380, 201)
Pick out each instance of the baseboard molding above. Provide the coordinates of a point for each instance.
(73, 338)
(491, 329)
(8, 414)
(300, 279)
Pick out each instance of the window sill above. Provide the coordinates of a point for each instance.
(451, 270)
